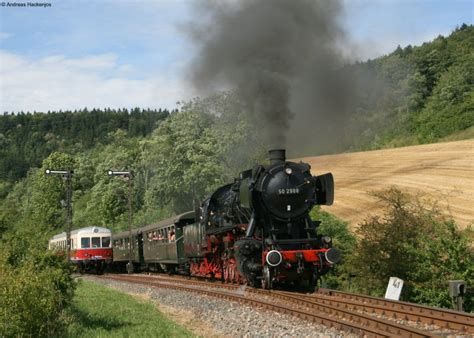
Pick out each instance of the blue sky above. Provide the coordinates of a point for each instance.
(117, 53)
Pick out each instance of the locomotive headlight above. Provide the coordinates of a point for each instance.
(274, 258)
(326, 239)
(333, 256)
(289, 171)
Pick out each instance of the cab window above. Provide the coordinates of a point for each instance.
(105, 242)
(96, 242)
(85, 242)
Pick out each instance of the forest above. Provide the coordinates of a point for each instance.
(416, 95)
(179, 157)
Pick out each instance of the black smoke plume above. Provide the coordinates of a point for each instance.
(283, 59)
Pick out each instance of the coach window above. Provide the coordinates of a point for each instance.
(105, 242)
(85, 242)
(96, 242)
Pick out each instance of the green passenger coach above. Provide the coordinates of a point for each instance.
(121, 249)
(163, 247)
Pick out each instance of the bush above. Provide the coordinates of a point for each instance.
(342, 239)
(416, 242)
(35, 290)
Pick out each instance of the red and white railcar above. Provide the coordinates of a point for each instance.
(91, 247)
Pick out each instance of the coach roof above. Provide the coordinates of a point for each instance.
(170, 221)
(86, 230)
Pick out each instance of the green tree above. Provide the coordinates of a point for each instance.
(49, 192)
(451, 107)
(183, 153)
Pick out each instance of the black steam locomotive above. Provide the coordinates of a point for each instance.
(260, 228)
(256, 230)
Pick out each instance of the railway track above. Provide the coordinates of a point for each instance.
(448, 319)
(338, 311)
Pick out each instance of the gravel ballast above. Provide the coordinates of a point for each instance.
(208, 316)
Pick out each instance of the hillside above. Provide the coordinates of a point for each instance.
(444, 171)
(415, 95)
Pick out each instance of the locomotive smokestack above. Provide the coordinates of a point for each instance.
(277, 156)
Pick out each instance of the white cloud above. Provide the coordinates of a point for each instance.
(4, 36)
(57, 82)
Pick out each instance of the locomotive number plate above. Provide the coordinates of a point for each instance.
(288, 191)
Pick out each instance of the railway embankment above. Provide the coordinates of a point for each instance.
(235, 310)
(210, 316)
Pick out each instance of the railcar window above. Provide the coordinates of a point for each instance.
(160, 235)
(96, 242)
(171, 234)
(85, 242)
(105, 242)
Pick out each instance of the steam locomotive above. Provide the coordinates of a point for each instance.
(256, 230)
(260, 225)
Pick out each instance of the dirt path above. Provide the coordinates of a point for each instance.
(444, 171)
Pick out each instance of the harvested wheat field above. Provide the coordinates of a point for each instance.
(442, 171)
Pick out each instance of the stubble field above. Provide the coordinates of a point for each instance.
(441, 171)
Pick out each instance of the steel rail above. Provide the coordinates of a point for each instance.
(429, 317)
(443, 318)
(329, 315)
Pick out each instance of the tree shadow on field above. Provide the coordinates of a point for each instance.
(97, 321)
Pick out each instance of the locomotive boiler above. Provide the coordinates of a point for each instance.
(258, 229)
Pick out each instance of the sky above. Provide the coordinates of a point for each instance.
(123, 54)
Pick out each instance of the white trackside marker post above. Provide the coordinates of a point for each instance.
(394, 288)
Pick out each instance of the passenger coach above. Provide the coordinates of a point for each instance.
(121, 250)
(155, 247)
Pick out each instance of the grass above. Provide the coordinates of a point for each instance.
(98, 311)
(460, 135)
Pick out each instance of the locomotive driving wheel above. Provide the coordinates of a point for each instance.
(267, 282)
